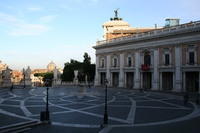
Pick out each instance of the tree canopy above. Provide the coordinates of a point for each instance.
(84, 68)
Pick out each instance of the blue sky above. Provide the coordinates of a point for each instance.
(35, 32)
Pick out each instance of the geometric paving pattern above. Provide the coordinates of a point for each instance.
(84, 107)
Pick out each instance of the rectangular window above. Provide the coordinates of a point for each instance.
(166, 59)
(129, 61)
(191, 58)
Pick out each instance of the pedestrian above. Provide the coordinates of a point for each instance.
(186, 98)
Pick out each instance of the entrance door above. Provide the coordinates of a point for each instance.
(147, 80)
(129, 79)
(167, 80)
(103, 78)
(115, 79)
(192, 81)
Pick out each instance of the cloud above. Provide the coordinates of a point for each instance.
(9, 19)
(19, 27)
(34, 9)
(28, 29)
(48, 18)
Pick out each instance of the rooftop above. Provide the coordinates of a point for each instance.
(152, 33)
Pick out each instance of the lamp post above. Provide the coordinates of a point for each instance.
(24, 77)
(44, 115)
(105, 118)
(47, 104)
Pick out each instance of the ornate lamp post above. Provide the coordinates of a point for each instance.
(47, 84)
(105, 118)
(47, 105)
(44, 116)
(24, 77)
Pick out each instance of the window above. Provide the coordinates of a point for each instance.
(115, 62)
(147, 59)
(191, 58)
(166, 59)
(102, 63)
(129, 62)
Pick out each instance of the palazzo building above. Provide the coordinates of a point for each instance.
(167, 58)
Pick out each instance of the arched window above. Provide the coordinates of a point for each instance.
(191, 55)
(115, 62)
(129, 61)
(147, 58)
(166, 59)
(102, 63)
(166, 56)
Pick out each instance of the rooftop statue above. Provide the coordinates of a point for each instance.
(116, 13)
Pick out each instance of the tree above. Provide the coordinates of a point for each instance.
(84, 68)
(48, 76)
(45, 76)
(68, 72)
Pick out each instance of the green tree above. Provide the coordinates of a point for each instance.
(48, 76)
(68, 72)
(84, 68)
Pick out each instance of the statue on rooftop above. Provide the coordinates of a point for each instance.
(116, 13)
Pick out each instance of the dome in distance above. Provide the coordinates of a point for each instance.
(51, 66)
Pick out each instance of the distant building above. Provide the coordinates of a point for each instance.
(16, 76)
(39, 71)
(2, 68)
(160, 59)
(51, 66)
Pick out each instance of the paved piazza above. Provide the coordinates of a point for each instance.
(81, 110)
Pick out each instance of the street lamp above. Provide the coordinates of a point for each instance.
(105, 118)
(44, 116)
(24, 77)
(47, 105)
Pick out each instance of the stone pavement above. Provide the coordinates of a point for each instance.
(80, 110)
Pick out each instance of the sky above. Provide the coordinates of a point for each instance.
(36, 32)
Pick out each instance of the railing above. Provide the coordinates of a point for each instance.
(145, 67)
(151, 33)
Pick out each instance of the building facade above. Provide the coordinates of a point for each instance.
(160, 59)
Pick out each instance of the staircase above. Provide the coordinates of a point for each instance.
(20, 127)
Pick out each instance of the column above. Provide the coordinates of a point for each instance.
(161, 81)
(155, 71)
(137, 71)
(108, 61)
(178, 75)
(184, 82)
(121, 73)
(97, 78)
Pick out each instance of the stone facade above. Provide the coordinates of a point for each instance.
(162, 59)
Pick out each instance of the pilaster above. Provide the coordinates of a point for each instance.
(137, 71)
(178, 74)
(108, 65)
(155, 71)
(121, 73)
(97, 78)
